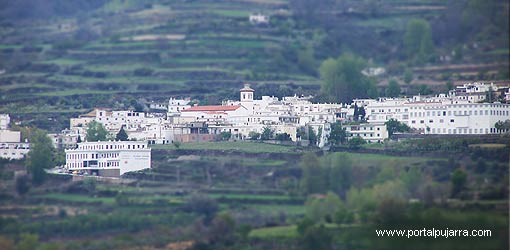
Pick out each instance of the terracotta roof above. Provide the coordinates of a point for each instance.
(212, 108)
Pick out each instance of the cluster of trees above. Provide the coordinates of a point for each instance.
(97, 132)
(394, 126)
(328, 173)
(503, 125)
(343, 81)
(418, 43)
(42, 156)
(269, 134)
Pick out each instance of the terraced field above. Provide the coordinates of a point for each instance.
(130, 50)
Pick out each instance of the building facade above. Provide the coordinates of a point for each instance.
(108, 158)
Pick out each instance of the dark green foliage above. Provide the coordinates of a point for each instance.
(338, 134)
(458, 179)
(340, 173)
(393, 89)
(96, 132)
(418, 41)
(267, 133)
(22, 184)
(122, 135)
(225, 136)
(312, 136)
(503, 125)
(342, 79)
(394, 126)
(356, 142)
(283, 137)
(304, 224)
(408, 76)
(254, 135)
(202, 205)
(312, 180)
(317, 238)
(40, 156)
(222, 230)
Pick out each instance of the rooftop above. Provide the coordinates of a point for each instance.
(216, 108)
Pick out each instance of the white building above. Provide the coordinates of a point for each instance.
(440, 114)
(370, 132)
(258, 18)
(175, 106)
(112, 158)
(5, 120)
(11, 146)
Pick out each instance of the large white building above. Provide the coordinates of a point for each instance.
(11, 146)
(108, 158)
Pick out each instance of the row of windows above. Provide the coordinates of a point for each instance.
(100, 164)
(463, 131)
(91, 156)
(364, 135)
(112, 146)
(467, 106)
(432, 121)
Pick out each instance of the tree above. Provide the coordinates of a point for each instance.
(458, 179)
(202, 205)
(503, 125)
(267, 133)
(408, 76)
(340, 173)
(312, 136)
(393, 89)
(222, 230)
(122, 135)
(283, 137)
(40, 156)
(323, 209)
(96, 132)
(361, 113)
(177, 144)
(317, 238)
(356, 112)
(312, 180)
(22, 184)
(306, 61)
(418, 41)
(225, 136)
(254, 135)
(342, 79)
(338, 134)
(449, 85)
(393, 126)
(356, 142)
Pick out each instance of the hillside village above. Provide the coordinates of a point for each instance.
(254, 124)
(291, 120)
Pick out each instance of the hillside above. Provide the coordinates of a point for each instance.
(63, 59)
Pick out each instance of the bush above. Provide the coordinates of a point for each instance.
(356, 142)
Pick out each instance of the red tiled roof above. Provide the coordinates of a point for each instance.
(212, 108)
